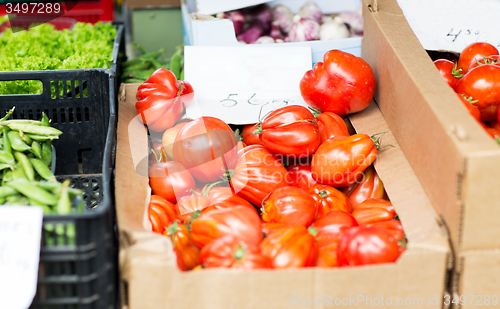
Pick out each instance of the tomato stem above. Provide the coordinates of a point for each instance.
(402, 242)
(377, 140)
(315, 112)
(239, 253)
(172, 228)
(469, 99)
(323, 193)
(456, 73)
(313, 231)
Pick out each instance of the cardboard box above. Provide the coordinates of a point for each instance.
(204, 30)
(455, 159)
(144, 4)
(151, 279)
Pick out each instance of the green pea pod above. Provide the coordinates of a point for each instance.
(33, 129)
(7, 176)
(45, 120)
(6, 157)
(6, 142)
(23, 121)
(42, 138)
(42, 170)
(25, 138)
(16, 200)
(36, 149)
(47, 153)
(7, 191)
(26, 165)
(32, 191)
(175, 64)
(56, 187)
(4, 166)
(18, 173)
(46, 209)
(64, 204)
(7, 115)
(2, 200)
(16, 141)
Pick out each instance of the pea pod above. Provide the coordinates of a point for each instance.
(42, 138)
(45, 120)
(23, 121)
(7, 176)
(46, 209)
(47, 153)
(7, 191)
(33, 129)
(16, 200)
(6, 157)
(56, 187)
(42, 169)
(36, 149)
(32, 191)
(26, 165)
(175, 64)
(25, 138)
(18, 173)
(16, 142)
(64, 204)
(6, 142)
(4, 166)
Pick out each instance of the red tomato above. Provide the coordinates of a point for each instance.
(494, 123)
(291, 130)
(161, 213)
(188, 254)
(251, 138)
(161, 100)
(473, 52)
(334, 224)
(191, 206)
(495, 133)
(227, 196)
(239, 221)
(257, 173)
(230, 252)
(342, 84)
(495, 59)
(367, 245)
(207, 147)
(447, 70)
(328, 198)
(290, 206)
(370, 186)
(374, 210)
(396, 229)
(331, 125)
(299, 175)
(473, 110)
(290, 247)
(341, 161)
(269, 228)
(483, 85)
(170, 180)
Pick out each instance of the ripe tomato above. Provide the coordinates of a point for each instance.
(331, 125)
(290, 247)
(299, 175)
(269, 228)
(447, 69)
(230, 252)
(207, 147)
(341, 84)
(396, 229)
(473, 52)
(290, 206)
(250, 135)
(161, 213)
(188, 254)
(367, 245)
(170, 180)
(495, 133)
(191, 206)
(168, 139)
(257, 173)
(494, 59)
(494, 123)
(292, 131)
(239, 221)
(328, 198)
(483, 85)
(370, 186)
(473, 110)
(227, 196)
(334, 224)
(374, 210)
(161, 100)
(340, 161)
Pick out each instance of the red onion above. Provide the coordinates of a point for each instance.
(275, 31)
(260, 15)
(238, 20)
(251, 35)
(284, 17)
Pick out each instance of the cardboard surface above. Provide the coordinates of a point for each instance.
(148, 267)
(452, 155)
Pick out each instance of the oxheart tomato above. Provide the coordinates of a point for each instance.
(291, 131)
(495, 133)
(290, 206)
(447, 69)
(239, 221)
(207, 147)
(331, 125)
(191, 206)
(299, 175)
(494, 59)
(162, 99)
(328, 198)
(230, 252)
(290, 247)
(227, 196)
(473, 52)
(342, 84)
(250, 134)
(269, 228)
(471, 108)
(483, 85)
(374, 210)
(161, 213)
(370, 186)
(188, 254)
(168, 139)
(395, 227)
(257, 173)
(341, 161)
(367, 245)
(170, 180)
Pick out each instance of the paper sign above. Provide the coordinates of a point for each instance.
(20, 233)
(239, 84)
(451, 25)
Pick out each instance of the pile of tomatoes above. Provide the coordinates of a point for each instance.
(475, 77)
(297, 191)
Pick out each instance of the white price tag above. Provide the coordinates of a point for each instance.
(20, 233)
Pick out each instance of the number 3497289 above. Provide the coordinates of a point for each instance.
(33, 8)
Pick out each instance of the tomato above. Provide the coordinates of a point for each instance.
(495, 133)
(188, 254)
(156, 153)
(494, 59)
(473, 110)
(239, 221)
(483, 85)
(367, 245)
(373, 210)
(190, 206)
(161, 213)
(170, 180)
(207, 147)
(168, 139)
(396, 229)
(299, 175)
(292, 131)
(250, 135)
(162, 99)
(331, 125)
(269, 228)
(257, 173)
(290, 247)
(230, 252)
(370, 186)
(473, 52)
(341, 84)
(447, 69)
(341, 161)
(290, 206)
(328, 198)
(334, 224)
(494, 123)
